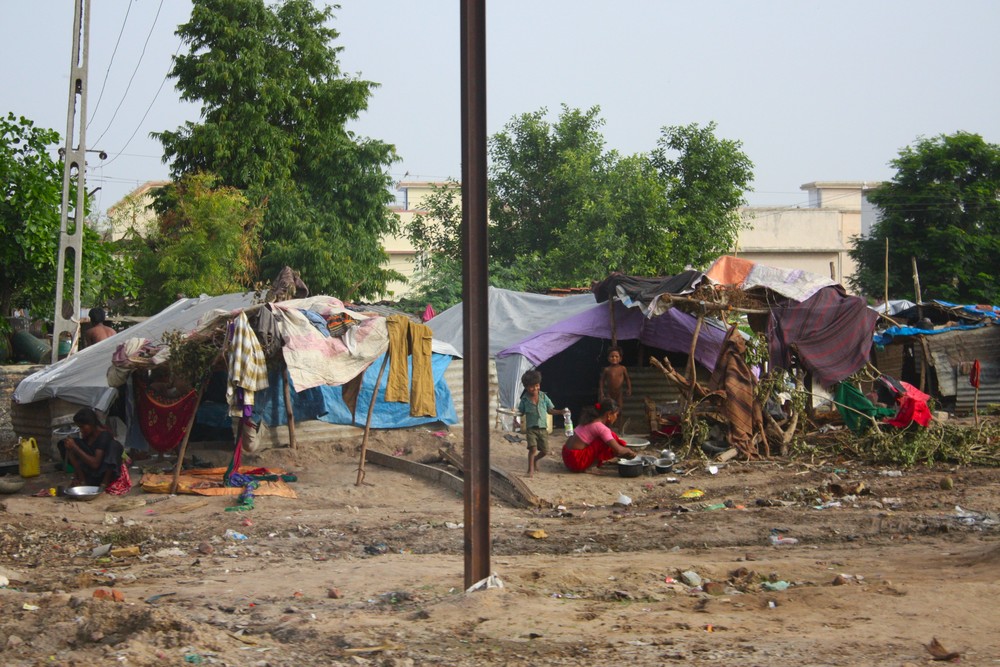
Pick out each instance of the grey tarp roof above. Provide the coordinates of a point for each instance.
(82, 378)
(513, 316)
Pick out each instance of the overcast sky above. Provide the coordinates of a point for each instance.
(815, 91)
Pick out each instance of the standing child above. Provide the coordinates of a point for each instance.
(535, 407)
(615, 379)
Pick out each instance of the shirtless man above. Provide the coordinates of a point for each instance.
(98, 330)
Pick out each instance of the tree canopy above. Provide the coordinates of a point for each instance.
(31, 181)
(564, 210)
(205, 242)
(274, 112)
(942, 207)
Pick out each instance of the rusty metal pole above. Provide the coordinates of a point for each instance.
(475, 313)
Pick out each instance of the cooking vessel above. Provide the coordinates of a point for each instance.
(631, 467)
(82, 492)
(664, 465)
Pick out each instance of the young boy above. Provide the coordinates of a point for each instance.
(614, 378)
(534, 408)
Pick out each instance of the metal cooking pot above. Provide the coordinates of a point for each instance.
(631, 467)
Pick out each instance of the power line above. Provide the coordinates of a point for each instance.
(153, 101)
(111, 62)
(134, 71)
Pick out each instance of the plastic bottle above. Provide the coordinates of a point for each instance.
(29, 464)
(568, 422)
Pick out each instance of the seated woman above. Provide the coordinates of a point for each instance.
(595, 442)
(97, 458)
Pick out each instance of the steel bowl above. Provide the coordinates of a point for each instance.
(82, 492)
(635, 441)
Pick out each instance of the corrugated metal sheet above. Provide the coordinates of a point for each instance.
(989, 388)
(647, 382)
(953, 352)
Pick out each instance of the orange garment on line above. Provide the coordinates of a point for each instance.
(408, 338)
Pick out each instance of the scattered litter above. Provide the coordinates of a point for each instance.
(492, 581)
(451, 525)
(691, 578)
(152, 599)
(536, 534)
(101, 551)
(891, 473)
(672, 480)
(377, 549)
(170, 552)
(775, 585)
(692, 493)
(30, 607)
(939, 652)
(712, 470)
(777, 538)
(623, 500)
(231, 534)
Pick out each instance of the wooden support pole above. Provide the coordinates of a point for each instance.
(692, 368)
(916, 280)
(886, 303)
(614, 328)
(368, 421)
(289, 411)
(187, 436)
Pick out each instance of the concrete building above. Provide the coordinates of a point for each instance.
(815, 237)
(132, 215)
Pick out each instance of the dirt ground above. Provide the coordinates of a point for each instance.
(373, 574)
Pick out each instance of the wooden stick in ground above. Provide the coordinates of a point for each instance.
(184, 442)
(289, 412)
(692, 368)
(368, 421)
(975, 405)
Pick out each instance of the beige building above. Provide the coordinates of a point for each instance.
(402, 256)
(816, 237)
(132, 216)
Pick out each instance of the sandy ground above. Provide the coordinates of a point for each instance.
(373, 574)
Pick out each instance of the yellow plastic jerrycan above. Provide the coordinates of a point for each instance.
(30, 464)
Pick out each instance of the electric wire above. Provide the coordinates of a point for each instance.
(151, 103)
(134, 71)
(111, 62)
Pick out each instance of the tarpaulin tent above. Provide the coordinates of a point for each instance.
(671, 331)
(82, 378)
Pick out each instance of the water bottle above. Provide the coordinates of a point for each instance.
(568, 422)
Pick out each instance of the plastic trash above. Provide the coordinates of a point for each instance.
(775, 585)
(777, 538)
(623, 500)
(233, 535)
(568, 422)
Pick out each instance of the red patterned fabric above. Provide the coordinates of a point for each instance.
(122, 485)
(164, 424)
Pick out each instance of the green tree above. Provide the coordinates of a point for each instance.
(205, 242)
(274, 113)
(943, 208)
(29, 226)
(564, 210)
(706, 180)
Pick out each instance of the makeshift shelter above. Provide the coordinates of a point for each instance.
(672, 331)
(317, 367)
(935, 346)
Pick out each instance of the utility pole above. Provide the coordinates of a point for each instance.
(71, 221)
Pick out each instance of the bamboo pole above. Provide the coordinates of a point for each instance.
(886, 303)
(187, 436)
(916, 280)
(289, 411)
(368, 421)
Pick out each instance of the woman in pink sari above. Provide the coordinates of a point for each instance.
(595, 442)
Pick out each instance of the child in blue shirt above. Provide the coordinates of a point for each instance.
(535, 407)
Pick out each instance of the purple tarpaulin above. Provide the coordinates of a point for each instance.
(670, 331)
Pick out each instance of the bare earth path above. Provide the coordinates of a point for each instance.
(372, 575)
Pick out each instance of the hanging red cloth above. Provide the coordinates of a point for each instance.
(428, 313)
(912, 408)
(163, 424)
(974, 374)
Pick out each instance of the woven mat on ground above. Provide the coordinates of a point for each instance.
(208, 482)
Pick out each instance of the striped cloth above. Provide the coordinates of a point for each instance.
(247, 366)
